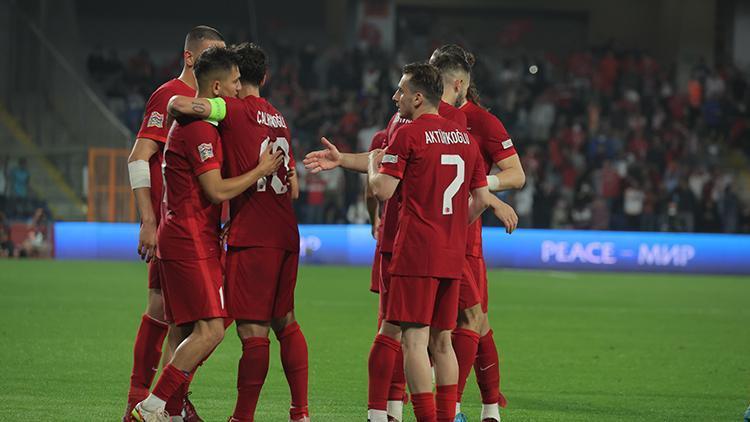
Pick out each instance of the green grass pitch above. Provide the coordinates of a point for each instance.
(574, 346)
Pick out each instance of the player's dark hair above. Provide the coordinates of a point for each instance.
(457, 50)
(213, 63)
(426, 79)
(199, 34)
(449, 63)
(252, 61)
(460, 54)
(472, 94)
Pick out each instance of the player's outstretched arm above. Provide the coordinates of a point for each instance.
(382, 185)
(330, 158)
(219, 190)
(511, 175)
(140, 181)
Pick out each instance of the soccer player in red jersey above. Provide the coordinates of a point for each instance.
(263, 243)
(497, 148)
(144, 165)
(189, 234)
(374, 212)
(430, 241)
(387, 386)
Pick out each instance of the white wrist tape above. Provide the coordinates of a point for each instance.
(140, 174)
(493, 182)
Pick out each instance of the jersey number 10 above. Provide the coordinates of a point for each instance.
(277, 184)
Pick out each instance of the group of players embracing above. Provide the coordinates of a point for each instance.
(226, 144)
(428, 182)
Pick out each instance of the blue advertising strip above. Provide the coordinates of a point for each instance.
(618, 251)
(535, 249)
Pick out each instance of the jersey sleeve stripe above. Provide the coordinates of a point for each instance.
(206, 167)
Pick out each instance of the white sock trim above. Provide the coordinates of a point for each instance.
(491, 411)
(377, 415)
(153, 403)
(396, 409)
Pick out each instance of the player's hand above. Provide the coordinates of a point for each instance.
(507, 215)
(290, 174)
(147, 241)
(376, 156)
(270, 161)
(325, 159)
(376, 228)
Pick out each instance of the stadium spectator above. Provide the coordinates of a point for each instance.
(20, 180)
(597, 117)
(37, 245)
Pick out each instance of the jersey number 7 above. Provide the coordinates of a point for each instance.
(452, 189)
(277, 184)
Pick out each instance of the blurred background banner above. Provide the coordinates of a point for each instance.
(532, 249)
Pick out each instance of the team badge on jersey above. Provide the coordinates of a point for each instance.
(156, 119)
(206, 151)
(507, 143)
(390, 158)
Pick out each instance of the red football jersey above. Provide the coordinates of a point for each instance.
(495, 145)
(155, 126)
(262, 215)
(452, 113)
(390, 224)
(378, 140)
(439, 166)
(190, 223)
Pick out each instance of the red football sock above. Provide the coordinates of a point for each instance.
(146, 357)
(177, 401)
(250, 376)
(424, 407)
(398, 378)
(169, 382)
(446, 402)
(380, 369)
(487, 369)
(465, 344)
(294, 360)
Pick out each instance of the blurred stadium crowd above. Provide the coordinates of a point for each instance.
(608, 138)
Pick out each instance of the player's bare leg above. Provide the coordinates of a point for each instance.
(147, 350)
(382, 363)
(487, 370)
(415, 340)
(446, 373)
(465, 343)
(200, 339)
